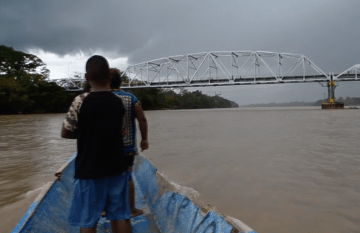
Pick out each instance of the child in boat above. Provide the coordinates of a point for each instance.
(133, 110)
(101, 171)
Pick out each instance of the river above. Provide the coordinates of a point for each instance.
(276, 169)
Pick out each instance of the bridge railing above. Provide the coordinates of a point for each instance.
(225, 67)
(222, 68)
(351, 74)
(70, 83)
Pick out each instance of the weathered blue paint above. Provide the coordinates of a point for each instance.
(71, 158)
(165, 210)
(25, 217)
(174, 212)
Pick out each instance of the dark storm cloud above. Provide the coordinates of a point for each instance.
(324, 30)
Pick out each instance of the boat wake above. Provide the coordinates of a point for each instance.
(183, 190)
(37, 191)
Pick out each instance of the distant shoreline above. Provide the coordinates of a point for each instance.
(289, 106)
(349, 102)
(277, 105)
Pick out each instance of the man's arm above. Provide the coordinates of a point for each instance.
(69, 126)
(139, 113)
(67, 133)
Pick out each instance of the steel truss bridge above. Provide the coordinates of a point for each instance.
(222, 69)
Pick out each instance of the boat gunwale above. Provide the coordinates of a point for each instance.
(165, 185)
(31, 210)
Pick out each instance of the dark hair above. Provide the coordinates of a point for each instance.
(115, 78)
(97, 68)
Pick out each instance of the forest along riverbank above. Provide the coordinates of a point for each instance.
(23, 91)
(276, 169)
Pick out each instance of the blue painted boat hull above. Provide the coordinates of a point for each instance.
(168, 207)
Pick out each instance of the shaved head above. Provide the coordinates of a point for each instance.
(97, 69)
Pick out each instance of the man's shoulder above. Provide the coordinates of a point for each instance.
(79, 99)
(124, 93)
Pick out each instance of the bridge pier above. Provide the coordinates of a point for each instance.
(330, 103)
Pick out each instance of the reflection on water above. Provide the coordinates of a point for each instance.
(278, 170)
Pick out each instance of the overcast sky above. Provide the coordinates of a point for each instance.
(65, 33)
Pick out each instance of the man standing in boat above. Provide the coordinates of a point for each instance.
(95, 119)
(133, 110)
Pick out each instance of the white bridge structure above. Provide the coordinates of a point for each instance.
(221, 69)
(350, 74)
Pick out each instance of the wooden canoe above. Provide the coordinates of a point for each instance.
(168, 207)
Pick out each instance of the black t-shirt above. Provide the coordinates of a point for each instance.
(97, 120)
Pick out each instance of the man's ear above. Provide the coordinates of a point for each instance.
(87, 77)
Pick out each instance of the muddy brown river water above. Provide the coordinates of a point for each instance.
(276, 169)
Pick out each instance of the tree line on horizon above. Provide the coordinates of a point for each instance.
(348, 101)
(154, 99)
(24, 88)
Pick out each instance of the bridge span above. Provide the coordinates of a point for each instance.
(222, 69)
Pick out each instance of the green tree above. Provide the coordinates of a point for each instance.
(340, 99)
(160, 99)
(24, 86)
(19, 65)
